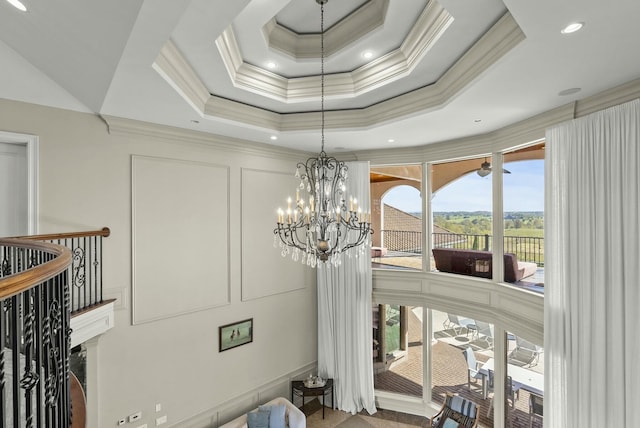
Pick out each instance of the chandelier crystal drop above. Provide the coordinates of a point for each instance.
(328, 221)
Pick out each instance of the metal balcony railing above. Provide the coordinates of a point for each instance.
(85, 272)
(34, 335)
(529, 249)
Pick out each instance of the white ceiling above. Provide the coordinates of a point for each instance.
(436, 74)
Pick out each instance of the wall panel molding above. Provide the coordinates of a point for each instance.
(222, 413)
(178, 270)
(264, 270)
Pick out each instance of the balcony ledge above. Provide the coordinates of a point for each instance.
(92, 322)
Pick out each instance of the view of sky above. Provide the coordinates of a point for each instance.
(523, 191)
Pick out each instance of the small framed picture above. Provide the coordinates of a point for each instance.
(236, 334)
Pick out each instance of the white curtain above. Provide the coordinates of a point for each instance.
(592, 281)
(345, 350)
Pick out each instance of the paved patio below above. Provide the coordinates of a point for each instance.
(449, 375)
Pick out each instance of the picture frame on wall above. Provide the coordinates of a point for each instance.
(235, 334)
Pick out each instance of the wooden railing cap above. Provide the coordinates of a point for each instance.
(104, 232)
(21, 281)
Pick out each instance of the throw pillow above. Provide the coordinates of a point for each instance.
(449, 423)
(277, 416)
(258, 419)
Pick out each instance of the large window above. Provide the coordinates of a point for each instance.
(462, 210)
(524, 387)
(397, 349)
(523, 202)
(471, 215)
(462, 217)
(396, 217)
(460, 349)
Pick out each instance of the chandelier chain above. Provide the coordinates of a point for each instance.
(322, 74)
(328, 222)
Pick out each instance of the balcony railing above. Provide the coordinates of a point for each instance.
(525, 248)
(85, 273)
(403, 241)
(34, 334)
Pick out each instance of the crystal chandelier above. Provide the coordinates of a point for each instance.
(325, 224)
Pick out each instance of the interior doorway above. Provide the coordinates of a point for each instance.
(14, 179)
(18, 184)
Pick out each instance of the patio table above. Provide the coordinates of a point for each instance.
(527, 379)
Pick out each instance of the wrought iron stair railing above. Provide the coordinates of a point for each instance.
(35, 334)
(86, 288)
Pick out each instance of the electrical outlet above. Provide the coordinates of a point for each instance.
(161, 420)
(122, 421)
(158, 407)
(135, 417)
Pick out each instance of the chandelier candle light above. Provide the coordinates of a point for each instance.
(323, 226)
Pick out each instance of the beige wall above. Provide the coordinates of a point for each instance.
(171, 357)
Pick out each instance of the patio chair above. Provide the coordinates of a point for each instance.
(525, 353)
(536, 409)
(459, 411)
(457, 323)
(473, 367)
(484, 330)
(512, 394)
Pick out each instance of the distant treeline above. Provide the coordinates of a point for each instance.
(521, 223)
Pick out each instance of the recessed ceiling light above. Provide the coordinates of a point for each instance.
(367, 55)
(572, 28)
(569, 91)
(271, 65)
(273, 138)
(391, 140)
(18, 5)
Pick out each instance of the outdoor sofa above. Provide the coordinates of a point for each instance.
(478, 263)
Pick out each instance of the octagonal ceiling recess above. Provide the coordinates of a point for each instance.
(434, 60)
(431, 24)
(300, 40)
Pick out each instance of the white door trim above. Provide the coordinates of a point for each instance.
(31, 142)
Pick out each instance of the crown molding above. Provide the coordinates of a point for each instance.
(229, 51)
(129, 127)
(432, 23)
(523, 132)
(609, 98)
(497, 42)
(501, 38)
(364, 20)
(178, 73)
(529, 130)
(218, 108)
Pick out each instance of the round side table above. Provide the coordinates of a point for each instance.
(299, 390)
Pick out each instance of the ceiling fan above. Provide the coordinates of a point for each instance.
(485, 169)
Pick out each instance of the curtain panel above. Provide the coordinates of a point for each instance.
(345, 350)
(592, 297)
